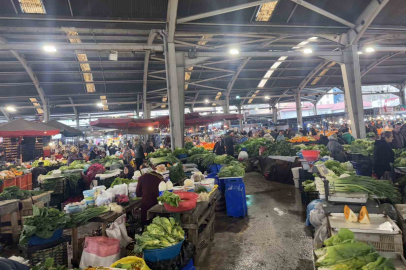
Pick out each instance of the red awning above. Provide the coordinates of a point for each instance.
(23, 128)
(164, 120)
(124, 123)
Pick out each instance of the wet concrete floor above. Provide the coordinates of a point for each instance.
(273, 236)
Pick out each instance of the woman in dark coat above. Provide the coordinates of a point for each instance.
(219, 147)
(128, 172)
(147, 188)
(383, 154)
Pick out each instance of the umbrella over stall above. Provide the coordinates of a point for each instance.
(24, 128)
(65, 130)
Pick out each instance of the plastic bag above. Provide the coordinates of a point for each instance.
(120, 190)
(100, 251)
(132, 188)
(131, 259)
(118, 231)
(243, 155)
(104, 198)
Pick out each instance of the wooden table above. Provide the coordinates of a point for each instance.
(11, 207)
(104, 219)
(203, 214)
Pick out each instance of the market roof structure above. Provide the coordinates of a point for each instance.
(65, 130)
(23, 128)
(109, 55)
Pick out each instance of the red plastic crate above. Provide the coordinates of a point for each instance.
(9, 182)
(19, 181)
(29, 178)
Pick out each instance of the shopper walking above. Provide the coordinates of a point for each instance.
(219, 147)
(398, 141)
(347, 137)
(139, 155)
(150, 148)
(336, 149)
(230, 144)
(383, 154)
(127, 155)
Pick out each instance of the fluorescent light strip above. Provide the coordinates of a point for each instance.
(324, 71)
(32, 6)
(265, 12)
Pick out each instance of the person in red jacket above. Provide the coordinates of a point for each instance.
(147, 188)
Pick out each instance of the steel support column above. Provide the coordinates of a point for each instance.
(315, 108)
(226, 110)
(274, 114)
(47, 111)
(350, 70)
(138, 106)
(240, 120)
(147, 111)
(299, 110)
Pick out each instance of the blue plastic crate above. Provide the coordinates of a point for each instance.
(37, 241)
(235, 197)
(182, 156)
(162, 254)
(189, 266)
(220, 183)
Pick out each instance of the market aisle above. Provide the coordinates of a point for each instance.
(273, 236)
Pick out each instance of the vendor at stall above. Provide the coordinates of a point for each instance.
(40, 170)
(336, 149)
(147, 188)
(347, 137)
(139, 155)
(150, 148)
(73, 155)
(230, 144)
(219, 146)
(94, 154)
(128, 172)
(323, 140)
(383, 154)
(281, 136)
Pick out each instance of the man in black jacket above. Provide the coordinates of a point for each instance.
(230, 144)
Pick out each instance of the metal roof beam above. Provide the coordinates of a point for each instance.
(222, 11)
(313, 73)
(377, 62)
(151, 38)
(267, 54)
(74, 108)
(82, 47)
(6, 114)
(323, 12)
(365, 19)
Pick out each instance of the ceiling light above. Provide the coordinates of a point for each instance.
(307, 51)
(234, 51)
(206, 101)
(49, 48)
(237, 97)
(267, 97)
(296, 47)
(369, 49)
(313, 38)
(11, 109)
(359, 52)
(100, 104)
(150, 128)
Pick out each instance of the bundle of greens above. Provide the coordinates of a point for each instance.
(235, 169)
(224, 159)
(73, 179)
(169, 198)
(15, 193)
(176, 173)
(253, 145)
(400, 160)
(197, 150)
(337, 167)
(81, 218)
(364, 147)
(120, 181)
(43, 223)
(371, 135)
(189, 145)
(162, 233)
(309, 185)
(159, 153)
(180, 151)
(343, 252)
(358, 183)
(169, 158)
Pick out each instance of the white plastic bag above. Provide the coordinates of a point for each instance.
(120, 190)
(132, 188)
(118, 231)
(243, 155)
(104, 198)
(100, 251)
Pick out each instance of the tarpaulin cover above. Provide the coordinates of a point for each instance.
(164, 120)
(65, 130)
(23, 128)
(124, 123)
(208, 119)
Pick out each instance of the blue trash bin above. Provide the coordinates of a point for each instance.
(235, 197)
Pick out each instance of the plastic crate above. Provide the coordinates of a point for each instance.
(362, 168)
(57, 185)
(381, 242)
(361, 158)
(22, 181)
(236, 202)
(303, 174)
(9, 182)
(309, 196)
(37, 241)
(221, 184)
(189, 266)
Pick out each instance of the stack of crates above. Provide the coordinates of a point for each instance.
(235, 197)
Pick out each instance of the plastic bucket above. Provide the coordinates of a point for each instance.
(188, 202)
(296, 180)
(163, 254)
(295, 172)
(311, 155)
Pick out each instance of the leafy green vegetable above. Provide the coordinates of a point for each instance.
(170, 198)
(189, 145)
(73, 179)
(161, 233)
(162, 152)
(49, 264)
(364, 147)
(180, 151)
(235, 169)
(224, 159)
(343, 236)
(14, 192)
(176, 173)
(197, 150)
(43, 223)
(82, 217)
(380, 264)
(201, 189)
(309, 185)
(120, 181)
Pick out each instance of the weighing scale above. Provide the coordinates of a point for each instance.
(334, 202)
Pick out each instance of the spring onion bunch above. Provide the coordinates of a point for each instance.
(356, 183)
